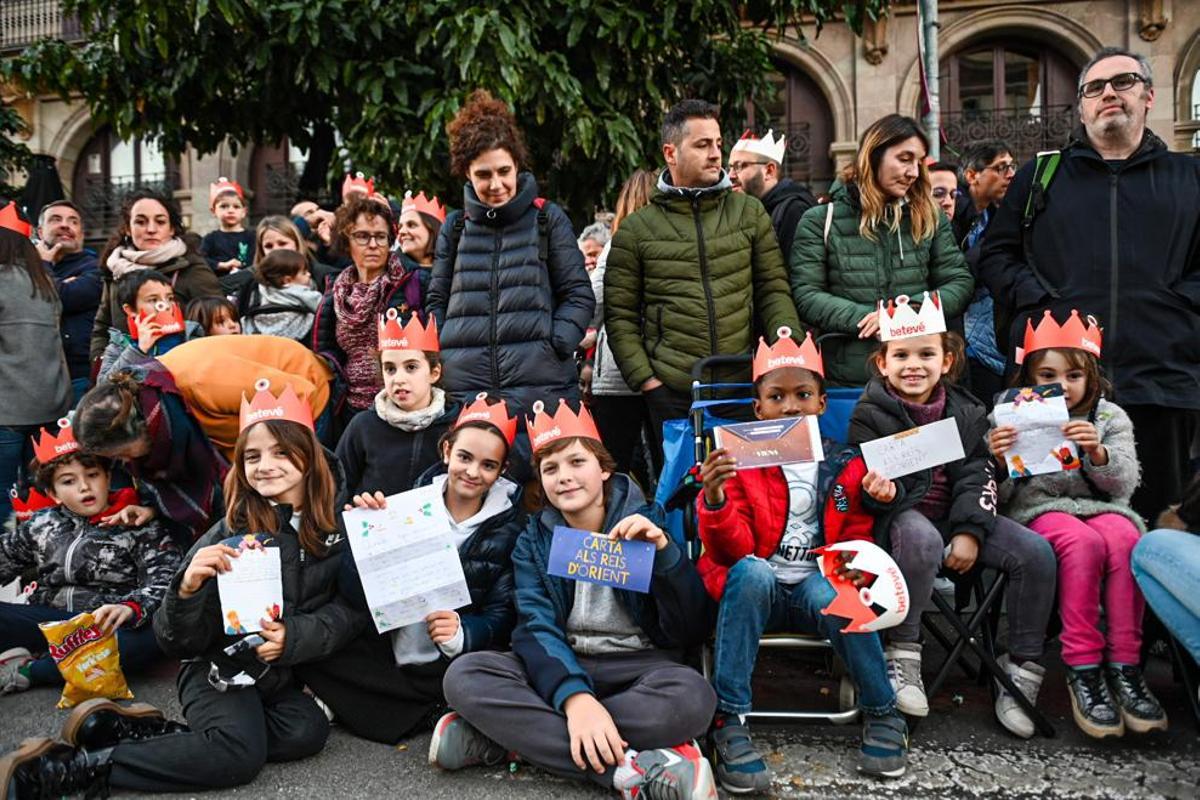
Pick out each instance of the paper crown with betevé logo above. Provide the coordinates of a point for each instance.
(565, 424)
(1074, 333)
(357, 183)
(10, 217)
(495, 415)
(222, 186)
(898, 320)
(23, 509)
(786, 353)
(425, 205)
(267, 406)
(51, 445)
(168, 316)
(411, 336)
(767, 147)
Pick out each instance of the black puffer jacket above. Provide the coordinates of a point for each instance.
(508, 323)
(786, 203)
(972, 480)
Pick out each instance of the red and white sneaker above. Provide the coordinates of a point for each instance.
(670, 773)
(456, 743)
(11, 663)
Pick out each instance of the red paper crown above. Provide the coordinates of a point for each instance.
(1073, 334)
(10, 218)
(497, 415)
(413, 336)
(168, 316)
(565, 424)
(357, 183)
(266, 406)
(35, 502)
(222, 186)
(50, 446)
(786, 353)
(425, 205)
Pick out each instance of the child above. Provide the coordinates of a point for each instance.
(216, 316)
(242, 702)
(390, 444)
(592, 687)
(94, 551)
(759, 528)
(150, 307)
(385, 687)
(230, 248)
(1085, 515)
(282, 302)
(948, 518)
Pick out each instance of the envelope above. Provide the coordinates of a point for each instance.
(772, 442)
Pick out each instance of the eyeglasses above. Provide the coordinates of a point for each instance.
(1005, 168)
(941, 192)
(1120, 83)
(738, 166)
(365, 239)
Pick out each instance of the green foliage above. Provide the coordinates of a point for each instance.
(588, 78)
(14, 156)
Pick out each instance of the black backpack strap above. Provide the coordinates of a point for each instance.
(456, 232)
(543, 225)
(1043, 174)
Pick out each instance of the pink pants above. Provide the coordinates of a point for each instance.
(1093, 572)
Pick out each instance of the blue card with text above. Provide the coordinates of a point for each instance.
(592, 557)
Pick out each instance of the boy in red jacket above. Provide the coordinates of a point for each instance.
(759, 528)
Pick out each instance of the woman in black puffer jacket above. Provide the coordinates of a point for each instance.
(509, 289)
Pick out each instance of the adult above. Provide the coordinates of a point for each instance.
(1166, 564)
(509, 291)
(592, 240)
(754, 168)
(695, 273)
(35, 385)
(150, 235)
(420, 222)
(943, 186)
(77, 279)
(345, 331)
(880, 236)
(1116, 235)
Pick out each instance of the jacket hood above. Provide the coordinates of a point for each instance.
(665, 186)
(783, 190)
(478, 211)
(1151, 144)
(503, 500)
(625, 498)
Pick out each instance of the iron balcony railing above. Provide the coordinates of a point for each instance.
(23, 22)
(101, 198)
(1025, 132)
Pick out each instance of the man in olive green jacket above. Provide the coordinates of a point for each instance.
(695, 273)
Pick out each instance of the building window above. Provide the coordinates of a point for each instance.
(799, 109)
(109, 169)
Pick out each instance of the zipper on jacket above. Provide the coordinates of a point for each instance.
(415, 454)
(494, 303)
(704, 280)
(1114, 257)
(67, 568)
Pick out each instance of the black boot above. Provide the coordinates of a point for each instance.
(43, 769)
(1095, 710)
(1140, 709)
(96, 724)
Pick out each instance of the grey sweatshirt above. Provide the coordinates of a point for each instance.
(35, 385)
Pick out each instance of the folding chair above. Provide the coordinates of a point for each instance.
(1186, 671)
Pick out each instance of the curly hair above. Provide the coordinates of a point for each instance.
(483, 124)
(347, 216)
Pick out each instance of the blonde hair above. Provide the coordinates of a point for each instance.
(283, 226)
(634, 194)
(876, 204)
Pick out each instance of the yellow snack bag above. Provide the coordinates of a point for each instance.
(88, 659)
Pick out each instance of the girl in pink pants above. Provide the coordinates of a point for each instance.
(1084, 512)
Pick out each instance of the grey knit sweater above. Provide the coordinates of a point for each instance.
(1025, 499)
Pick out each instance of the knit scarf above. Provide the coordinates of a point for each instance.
(936, 501)
(125, 260)
(357, 307)
(410, 421)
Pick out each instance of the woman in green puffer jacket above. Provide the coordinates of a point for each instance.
(880, 235)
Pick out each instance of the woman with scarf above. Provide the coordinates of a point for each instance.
(149, 236)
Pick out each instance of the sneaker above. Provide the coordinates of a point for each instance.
(99, 723)
(884, 750)
(11, 677)
(740, 768)
(670, 773)
(1028, 680)
(1140, 709)
(904, 672)
(1092, 703)
(43, 769)
(456, 744)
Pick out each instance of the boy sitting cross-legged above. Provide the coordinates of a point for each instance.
(759, 528)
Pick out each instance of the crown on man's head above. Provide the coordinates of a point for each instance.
(168, 316)
(423, 204)
(222, 186)
(786, 353)
(357, 183)
(266, 406)
(767, 147)
(10, 218)
(1071, 334)
(897, 320)
(412, 336)
(496, 415)
(50, 445)
(35, 502)
(565, 424)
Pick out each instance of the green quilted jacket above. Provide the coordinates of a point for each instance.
(693, 274)
(836, 285)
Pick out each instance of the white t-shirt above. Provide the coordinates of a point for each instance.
(792, 560)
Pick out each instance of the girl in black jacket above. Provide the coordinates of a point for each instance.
(387, 686)
(243, 703)
(948, 518)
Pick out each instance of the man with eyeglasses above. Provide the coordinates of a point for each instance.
(943, 185)
(1116, 235)
(754, 168)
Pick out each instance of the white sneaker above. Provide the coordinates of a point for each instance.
(669, 773)
(11, 661)
(1028, 679)
(904, 672)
